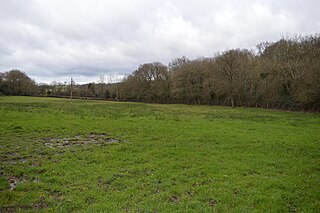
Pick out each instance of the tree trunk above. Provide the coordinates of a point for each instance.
(232, 101)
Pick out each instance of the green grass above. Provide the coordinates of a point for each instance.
(168, 158)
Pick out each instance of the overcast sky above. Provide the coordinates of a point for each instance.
(58, 39)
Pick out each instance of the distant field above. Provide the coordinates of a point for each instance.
(62, 155)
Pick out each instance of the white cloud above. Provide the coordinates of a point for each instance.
(57, 39)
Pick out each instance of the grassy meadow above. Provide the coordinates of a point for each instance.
(97, 156)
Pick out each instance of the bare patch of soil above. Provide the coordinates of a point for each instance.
(212, 202)
(13, 182)
(36, 206)
(174, 199)
(79, 140)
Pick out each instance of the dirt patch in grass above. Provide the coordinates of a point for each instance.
(13, 182)
(80, 140)
(13, 158)
(174, 199)
(212, 202)
(36, 206)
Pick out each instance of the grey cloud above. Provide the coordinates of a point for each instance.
(57, 39)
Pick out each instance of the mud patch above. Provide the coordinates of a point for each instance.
(174, 199)
(12, 154)
(80, 140)
(13, 158)
(13, 182)
(19, 160)
(33, 207)
(212, 202)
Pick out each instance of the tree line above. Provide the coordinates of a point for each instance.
(284, 75)
(16, 82)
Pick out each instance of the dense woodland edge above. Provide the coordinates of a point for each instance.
(282, 75)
